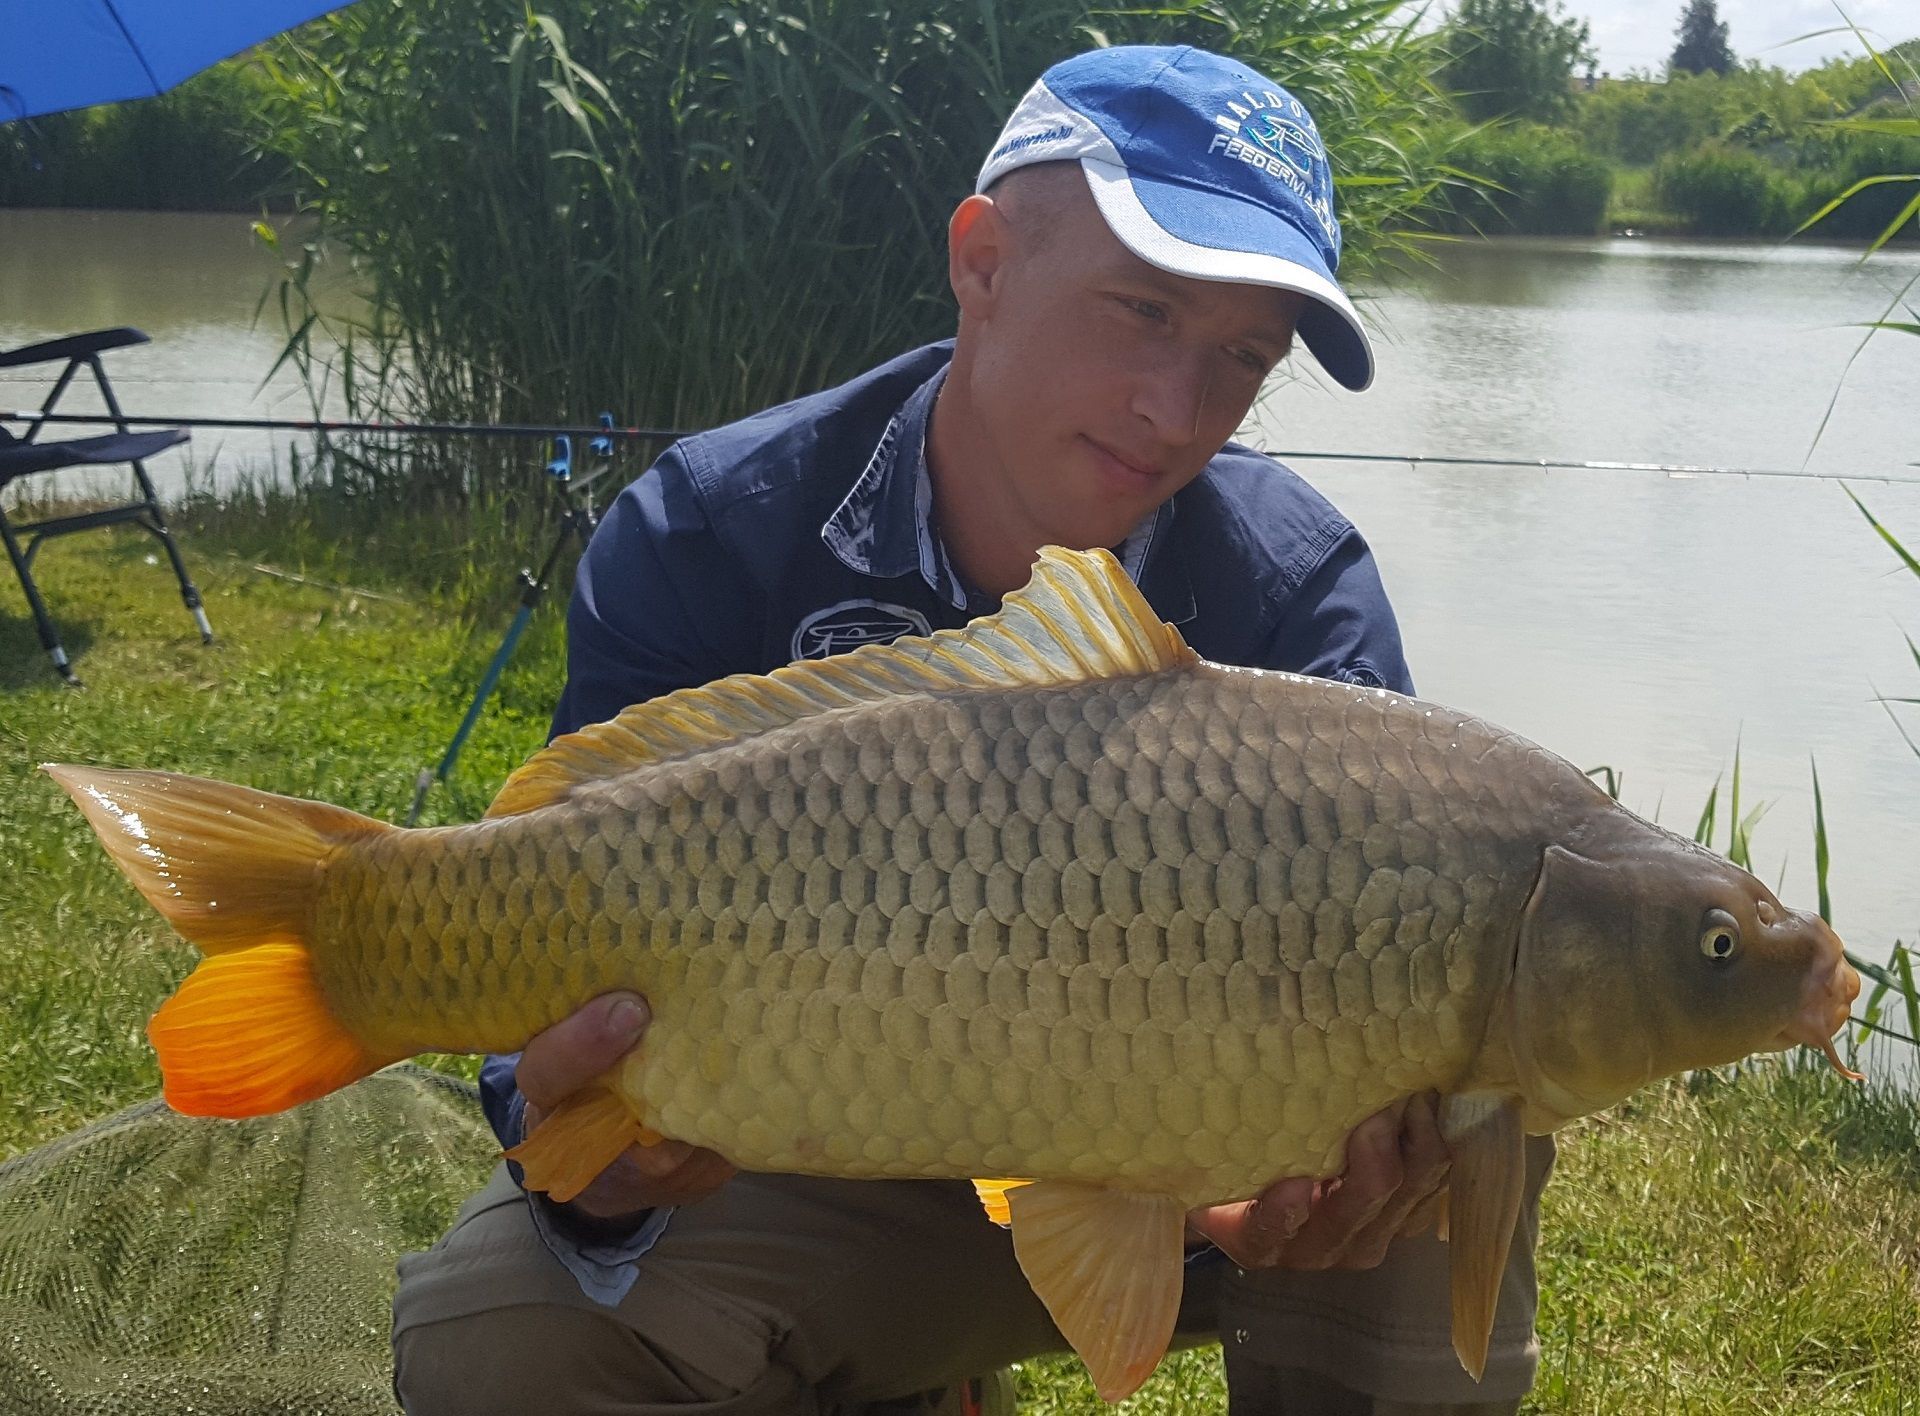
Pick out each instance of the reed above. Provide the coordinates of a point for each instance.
(685, 213)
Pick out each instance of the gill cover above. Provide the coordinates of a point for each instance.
(1579, 1037)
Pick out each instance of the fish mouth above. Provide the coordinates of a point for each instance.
(1826, 1002)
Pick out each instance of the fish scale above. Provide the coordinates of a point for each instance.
(1169, 955)
(1047, 898)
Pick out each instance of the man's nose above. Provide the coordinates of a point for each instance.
(1172, 396)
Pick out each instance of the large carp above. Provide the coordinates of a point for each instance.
(1048, 899)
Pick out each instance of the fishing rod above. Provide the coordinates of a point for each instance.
(325, 425)
(1550, 464)
(535, 430)
(579, 517)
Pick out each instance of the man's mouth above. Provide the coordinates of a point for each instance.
(1119, 465)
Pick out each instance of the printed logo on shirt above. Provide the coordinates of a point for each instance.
(852, 623)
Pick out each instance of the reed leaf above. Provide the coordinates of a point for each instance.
(1822, 857)
(1905, 555)
(1703, 829)
(1902, 963)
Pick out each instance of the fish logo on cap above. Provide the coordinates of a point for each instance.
(1298, 147)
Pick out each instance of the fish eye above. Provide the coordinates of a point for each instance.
(1719, 935)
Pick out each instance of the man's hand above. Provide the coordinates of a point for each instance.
(571, 1053)
(1394, 1184)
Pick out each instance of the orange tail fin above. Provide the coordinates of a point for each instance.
(235, 871)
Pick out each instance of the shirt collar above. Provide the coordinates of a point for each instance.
(884, 527)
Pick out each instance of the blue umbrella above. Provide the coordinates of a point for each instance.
(57, 54)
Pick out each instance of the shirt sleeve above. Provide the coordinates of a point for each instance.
(1339, 623)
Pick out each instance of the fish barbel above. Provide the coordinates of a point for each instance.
(1048, 902)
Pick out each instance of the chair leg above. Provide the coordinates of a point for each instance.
(42, 621)
(189, 592)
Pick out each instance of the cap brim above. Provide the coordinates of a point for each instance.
(1195, 232)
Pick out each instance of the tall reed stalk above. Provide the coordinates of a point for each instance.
(682, 213)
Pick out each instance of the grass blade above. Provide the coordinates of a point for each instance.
(1902, 961)
(1703, 829)
(1821, 856)
(1885, 535)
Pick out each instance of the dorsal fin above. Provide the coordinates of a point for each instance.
(1077, 620)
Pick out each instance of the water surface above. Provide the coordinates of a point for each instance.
(1637, 620)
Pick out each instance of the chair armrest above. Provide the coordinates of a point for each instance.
(74, 346)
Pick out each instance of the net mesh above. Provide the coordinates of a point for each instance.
(158, 1262)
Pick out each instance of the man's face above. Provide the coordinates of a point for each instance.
(1100, 385)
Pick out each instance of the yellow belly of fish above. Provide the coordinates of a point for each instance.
(1123, 933)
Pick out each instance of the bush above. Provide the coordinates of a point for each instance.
(1637, 120)
(1867, 213)
(1543, 184)
(190, 149)
(1719, 190)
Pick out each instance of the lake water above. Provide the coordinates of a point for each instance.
(1643, 621)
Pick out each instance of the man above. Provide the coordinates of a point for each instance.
(1147, 237)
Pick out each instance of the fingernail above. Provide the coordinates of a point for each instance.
(1291, 1218)
(627, 1017)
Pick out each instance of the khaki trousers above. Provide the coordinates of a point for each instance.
(802, 1297)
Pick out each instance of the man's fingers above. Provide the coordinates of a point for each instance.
(1425, 1216)
(661, 1159)
(1423, 1150)
(578, 1048)
(1254, 1233)
(1394, 1183)
(1422, 1166)
(647, 1177)
(1372, 1176)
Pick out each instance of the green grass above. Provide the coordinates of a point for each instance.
(1743, 1244)
(309, 690)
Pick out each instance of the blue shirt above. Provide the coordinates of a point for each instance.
(808, 529)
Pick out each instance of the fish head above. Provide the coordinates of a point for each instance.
(1656, 957)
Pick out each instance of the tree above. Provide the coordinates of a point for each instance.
(1702, 41)
(1515, 58)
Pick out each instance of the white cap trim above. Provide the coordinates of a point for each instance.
(1043, 129)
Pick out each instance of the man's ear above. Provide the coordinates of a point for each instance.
(978, 246)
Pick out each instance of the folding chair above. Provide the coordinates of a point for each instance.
(23, 456)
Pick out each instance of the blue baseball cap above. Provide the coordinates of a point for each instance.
(1204, 168)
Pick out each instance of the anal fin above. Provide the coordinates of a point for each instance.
(577, 1140)
(1107, 1265)
(1483, 1205)
(993, 1198)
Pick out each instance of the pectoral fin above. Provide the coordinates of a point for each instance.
(581, 1137)
(1483, 1205)
(1107, 1265)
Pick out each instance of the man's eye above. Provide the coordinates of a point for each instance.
(1146, 309)
(1253, 361)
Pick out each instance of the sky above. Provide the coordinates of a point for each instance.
(1639, 34)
